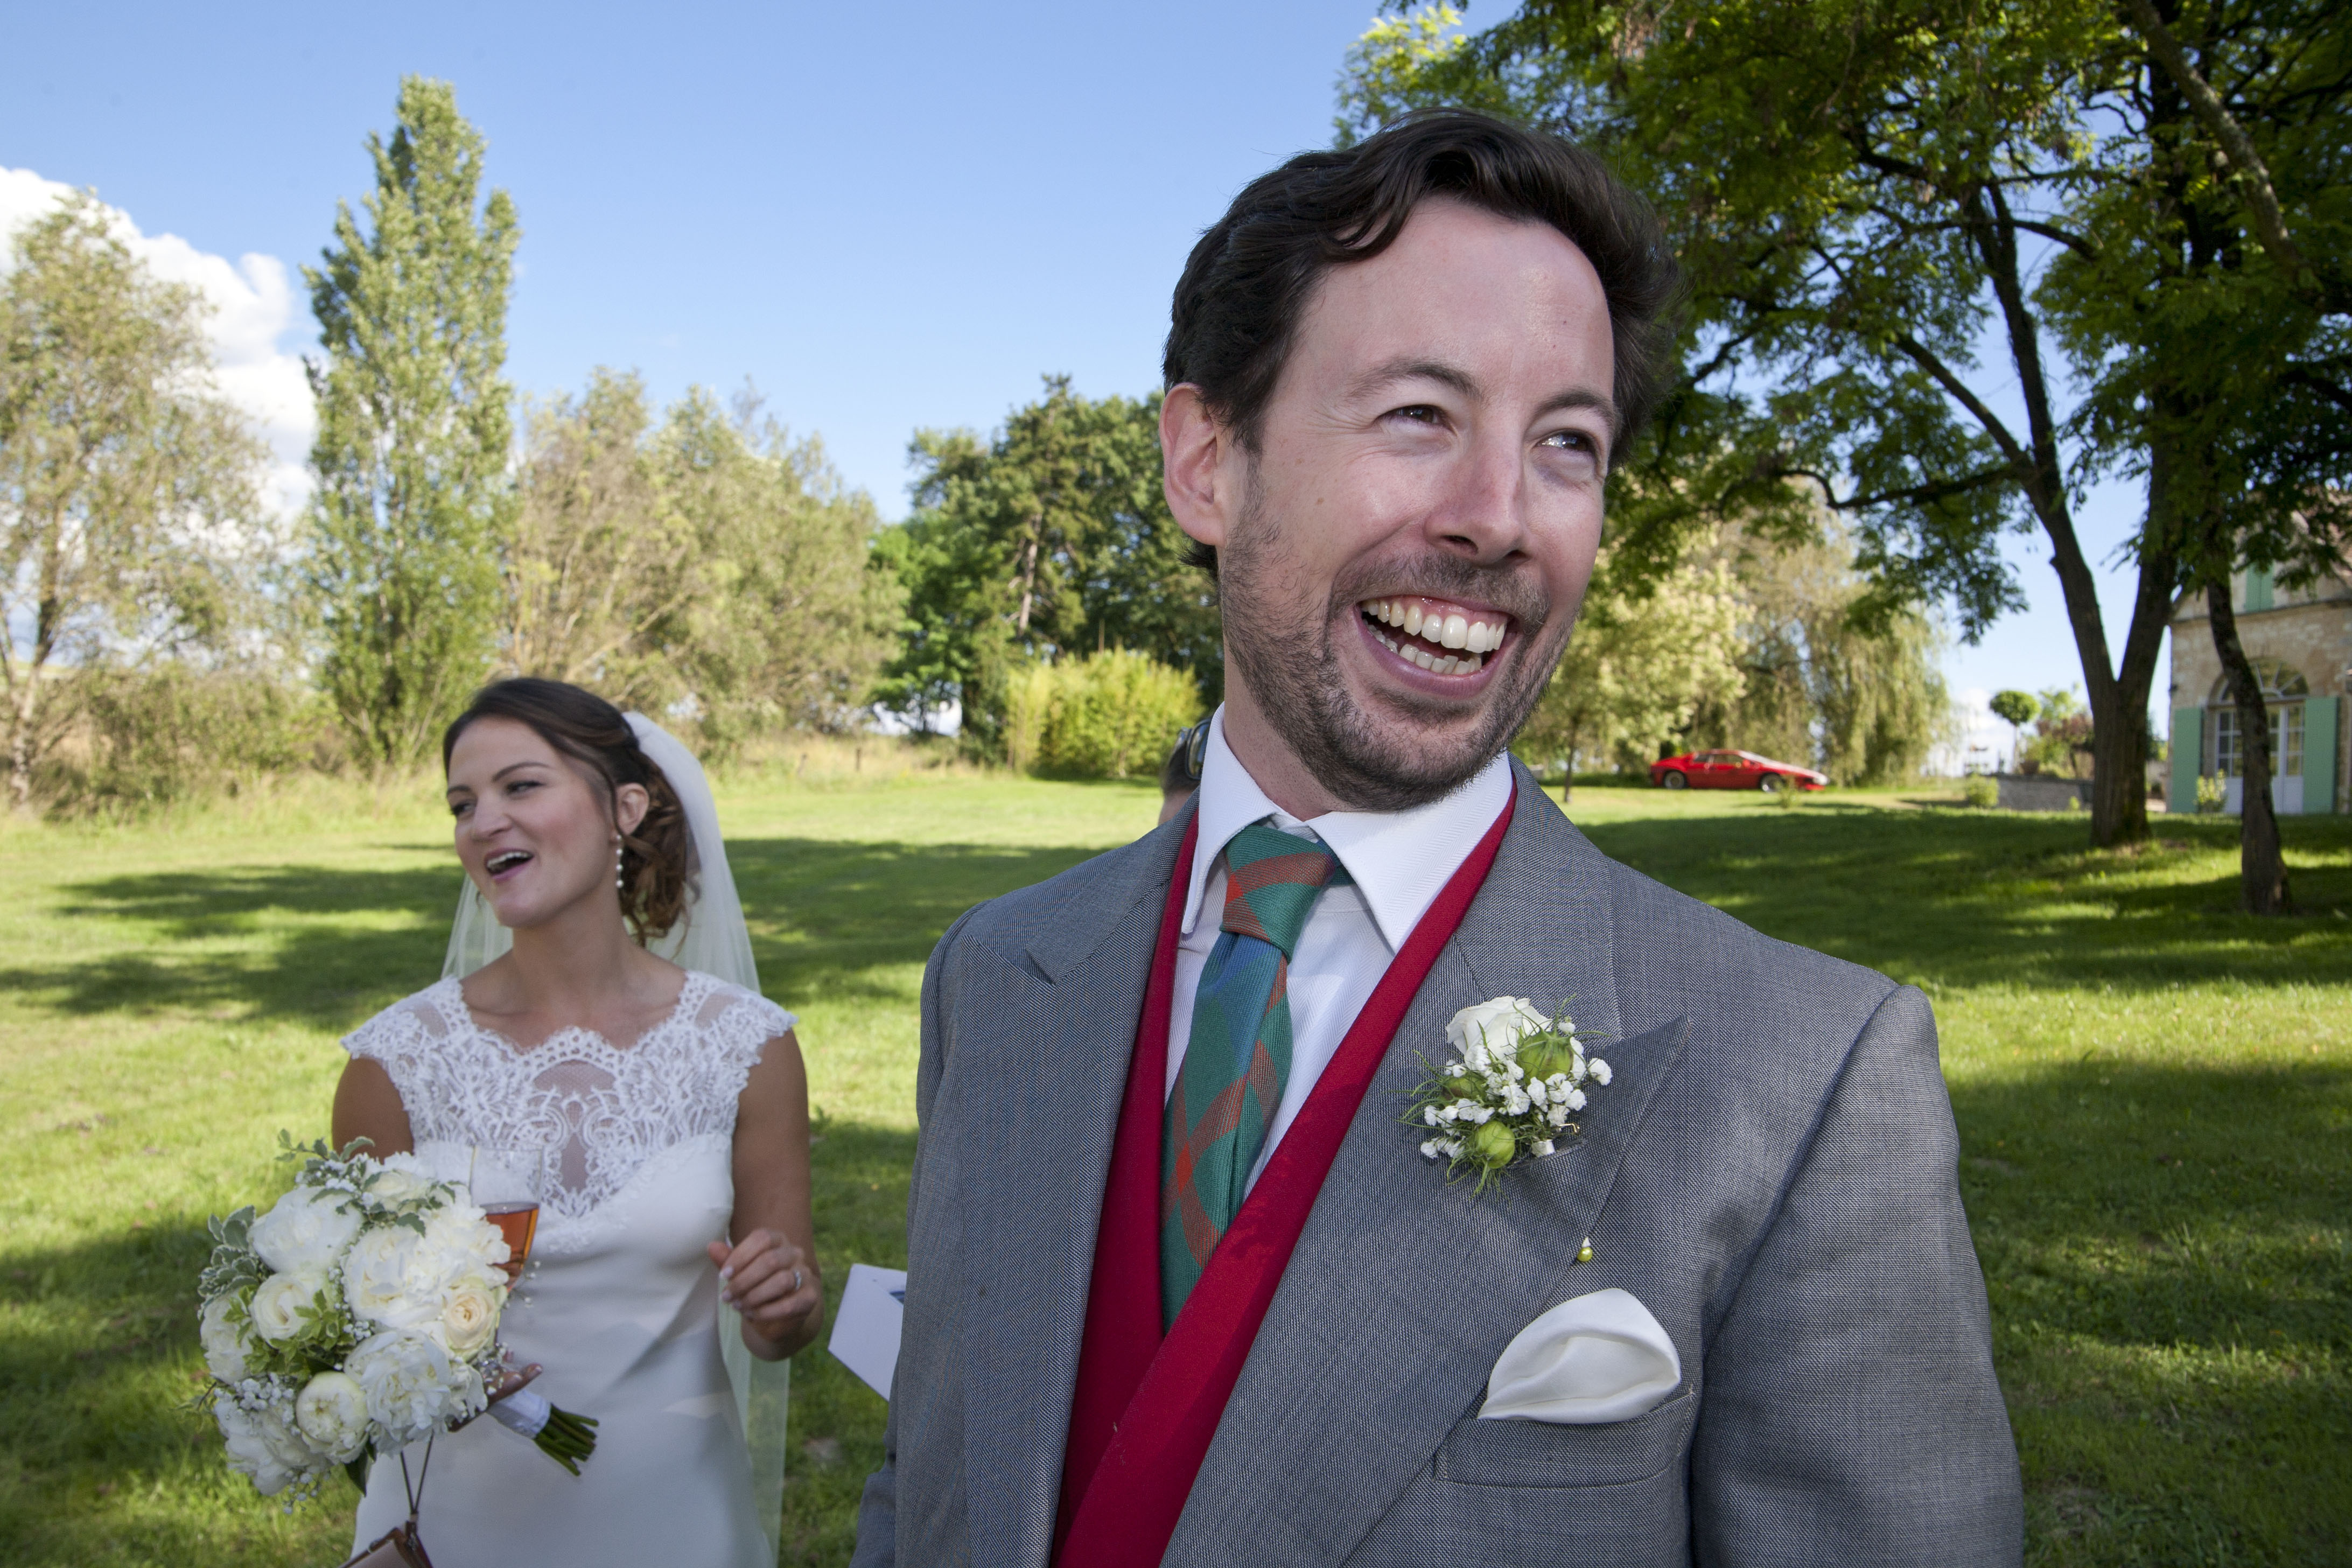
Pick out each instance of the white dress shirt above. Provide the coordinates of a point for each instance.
(1400, 861)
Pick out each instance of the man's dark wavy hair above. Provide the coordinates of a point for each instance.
(1249, 279)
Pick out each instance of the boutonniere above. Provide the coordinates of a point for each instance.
(1509, 1090)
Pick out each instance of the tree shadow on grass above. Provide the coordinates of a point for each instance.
(327, 946)
(2167, 1261)
(1971, 899)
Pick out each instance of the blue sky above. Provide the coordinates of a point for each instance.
(888, 215)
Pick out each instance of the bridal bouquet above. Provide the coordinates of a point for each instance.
(359, 1314)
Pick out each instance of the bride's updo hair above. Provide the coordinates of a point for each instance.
(656, 860)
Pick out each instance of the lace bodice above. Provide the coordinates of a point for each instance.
(576, 1115)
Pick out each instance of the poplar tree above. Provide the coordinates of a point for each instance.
(413, 499)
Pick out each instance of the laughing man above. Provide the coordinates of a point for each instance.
(1185, 1287)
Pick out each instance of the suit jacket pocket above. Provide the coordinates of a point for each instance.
(1520, 1453)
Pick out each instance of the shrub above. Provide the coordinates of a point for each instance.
(146, 737)
(1109, 717)
(1982, 793)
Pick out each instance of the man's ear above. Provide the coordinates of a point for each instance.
(1194, 447)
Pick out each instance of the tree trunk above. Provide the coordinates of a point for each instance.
(1028, 576)
(2261, 869)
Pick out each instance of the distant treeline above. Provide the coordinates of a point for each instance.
(169, 636)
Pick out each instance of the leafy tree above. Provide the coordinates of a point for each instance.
(129, 503)
(2061, 735)
(1646, 655)
(1050, 538)
(1857, 190)
(1828, 677)
(785, 612)
(2207, 305)
(412, 502)
(2018, 709)
(599, 556)
(1864, 189)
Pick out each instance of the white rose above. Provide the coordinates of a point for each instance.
(1497, 1024)
(262, 1445)
(469, 1316)
(409, 1383)
(331, 1412)
(227, 1346)
(306, 1229)
(277, 1305)
(376, 1278)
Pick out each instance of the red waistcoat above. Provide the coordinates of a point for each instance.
(1146, 1407)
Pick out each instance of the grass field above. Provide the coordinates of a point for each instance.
(2155, 1099)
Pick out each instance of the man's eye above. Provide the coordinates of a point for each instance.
(1569, 440)
(1421, 414)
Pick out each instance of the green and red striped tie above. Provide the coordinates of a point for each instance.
(1237, 1057)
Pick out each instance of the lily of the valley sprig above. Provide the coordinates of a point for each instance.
(1508, 1092)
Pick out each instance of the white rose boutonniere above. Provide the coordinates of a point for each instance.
(1510, 1091)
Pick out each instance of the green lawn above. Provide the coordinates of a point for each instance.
(2153, 1093)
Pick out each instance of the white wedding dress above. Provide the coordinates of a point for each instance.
(619, 1301)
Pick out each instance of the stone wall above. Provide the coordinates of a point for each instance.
(2041, 792)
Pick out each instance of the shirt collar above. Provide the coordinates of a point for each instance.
(1399, 859)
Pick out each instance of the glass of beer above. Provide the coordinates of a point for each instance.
(509, 1199)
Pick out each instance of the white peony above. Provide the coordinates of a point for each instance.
(331, 1412)
(263, 1443)
(378, 1279)
(396, 1185)
(462, 1240)
(409, 1383)
(227, 1346)
(1497, 1024)
(306, 1229)
(470, 1315)
(277, 1305)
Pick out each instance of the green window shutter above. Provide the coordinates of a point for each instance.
(2258, 587)
(2320, 718)
(2187, 740)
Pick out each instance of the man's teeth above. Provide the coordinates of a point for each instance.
(1430, 631)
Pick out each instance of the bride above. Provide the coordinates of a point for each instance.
(659, 1113)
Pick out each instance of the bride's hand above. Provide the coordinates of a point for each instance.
(769, 1280)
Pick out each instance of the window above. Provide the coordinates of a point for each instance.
(2286, 741)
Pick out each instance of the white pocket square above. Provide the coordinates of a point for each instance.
(1601, 1357)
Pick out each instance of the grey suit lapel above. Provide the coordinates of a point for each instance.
(1402, 1291)
(1050, 1042)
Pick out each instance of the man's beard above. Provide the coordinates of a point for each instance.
(1294, 671)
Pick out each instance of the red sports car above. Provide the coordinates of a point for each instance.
(1732, 770)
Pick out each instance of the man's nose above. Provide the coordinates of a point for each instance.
(1478, 514)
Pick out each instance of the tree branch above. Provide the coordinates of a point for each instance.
(2261, 199)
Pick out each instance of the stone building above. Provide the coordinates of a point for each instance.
(2300, 642)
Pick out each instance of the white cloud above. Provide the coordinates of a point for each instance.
(253, 305)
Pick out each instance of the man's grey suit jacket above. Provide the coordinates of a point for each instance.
(1772, 1173)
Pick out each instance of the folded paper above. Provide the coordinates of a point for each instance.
(865, 1326)
(1601, 1357)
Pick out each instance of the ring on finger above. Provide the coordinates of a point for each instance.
(796, 1279)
